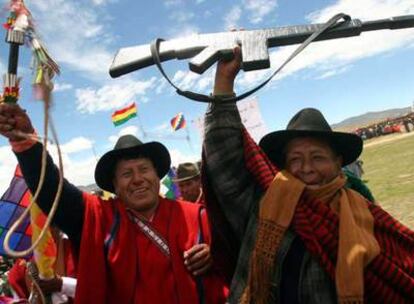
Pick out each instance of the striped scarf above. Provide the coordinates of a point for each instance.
(388, 278)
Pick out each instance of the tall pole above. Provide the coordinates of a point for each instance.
(15, 37)
(141, 126)
(189, 139)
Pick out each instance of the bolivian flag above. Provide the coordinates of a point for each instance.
(121, 116)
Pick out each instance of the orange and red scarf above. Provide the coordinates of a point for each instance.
(381, 248)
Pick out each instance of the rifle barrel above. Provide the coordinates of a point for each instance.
(207, 47)
(393, 23)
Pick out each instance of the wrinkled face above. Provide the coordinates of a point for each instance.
(190, 189)
(312, 161)
(137, 184)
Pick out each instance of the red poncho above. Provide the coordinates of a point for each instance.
(118, 263)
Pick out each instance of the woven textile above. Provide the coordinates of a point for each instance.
(388, 278)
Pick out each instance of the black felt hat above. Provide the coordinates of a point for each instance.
(310, 122)
(186, 171)
(129, 146)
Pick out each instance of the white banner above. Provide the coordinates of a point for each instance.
(250, 116)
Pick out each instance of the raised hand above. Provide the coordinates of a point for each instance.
(226, 73)
(14, 121)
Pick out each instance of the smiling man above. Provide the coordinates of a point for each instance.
(137, 247)
(299, 233)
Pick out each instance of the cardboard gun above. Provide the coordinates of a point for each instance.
(206, 49)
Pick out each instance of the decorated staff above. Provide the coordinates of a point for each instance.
(16, 25)
(20, 29)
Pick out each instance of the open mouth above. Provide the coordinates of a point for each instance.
(139, 191)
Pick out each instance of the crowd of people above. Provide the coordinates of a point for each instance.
(400, 124)
(277, 222)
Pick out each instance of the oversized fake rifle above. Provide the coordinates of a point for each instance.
(206, 49)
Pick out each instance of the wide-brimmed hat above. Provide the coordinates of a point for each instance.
(310, 122)
(186, 171)
(128, 146)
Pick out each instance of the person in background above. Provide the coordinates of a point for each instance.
(61, 288)
(188, 181)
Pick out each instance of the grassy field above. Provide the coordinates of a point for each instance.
(389, 170)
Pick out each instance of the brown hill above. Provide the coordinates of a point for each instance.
(369, 118)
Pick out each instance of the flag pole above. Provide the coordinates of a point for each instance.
(94, 152)
(141, 126)
(189, 139)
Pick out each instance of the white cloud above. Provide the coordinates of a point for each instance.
(2, 67)
(144, 99)
(101, 2)
(170, 3)
(255, 10)
(118, 93)
(177, 157)
(161, 86)
(334, 72)
(8, 164)
(74, 35)
(232, 18)
(164, 132)
(80, 173)
(77, 172)
(364, 9)
(77, 144)
(59, 87)
(189, 80)
(181, 31)
(328, 56)
(160, 132)
(181, 16)
(258, 9)
(185, 79)
(133, 130)
(162, 128)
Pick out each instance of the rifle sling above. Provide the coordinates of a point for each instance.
(331, 23)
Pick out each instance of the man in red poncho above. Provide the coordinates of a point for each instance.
(137, 247)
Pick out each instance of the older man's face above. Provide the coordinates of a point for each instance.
(190, 189)
(137, 184)
(312, 161)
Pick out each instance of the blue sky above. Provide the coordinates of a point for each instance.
(342, 78)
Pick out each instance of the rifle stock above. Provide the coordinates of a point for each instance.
(206, 49)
